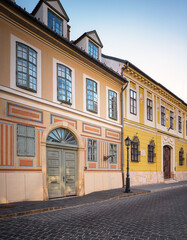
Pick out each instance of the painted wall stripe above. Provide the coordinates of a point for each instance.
(6, 144)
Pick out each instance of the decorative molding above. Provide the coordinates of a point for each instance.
(24, 113)
(91, 129)
(112, 134)
(91, 165)
(59, 118)
(26, 162)
(168, 141)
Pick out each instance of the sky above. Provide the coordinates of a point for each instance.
(151, 34)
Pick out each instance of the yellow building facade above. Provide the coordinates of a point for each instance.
(60, 114)
(157, 119)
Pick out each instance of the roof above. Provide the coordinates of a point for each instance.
(46, 2)
(46, 29)
(87, 34)
(144, 74)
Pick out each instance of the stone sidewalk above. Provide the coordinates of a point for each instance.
(31, 207)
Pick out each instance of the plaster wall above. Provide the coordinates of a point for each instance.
(20, 186)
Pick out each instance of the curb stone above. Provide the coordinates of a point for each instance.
(19, 214)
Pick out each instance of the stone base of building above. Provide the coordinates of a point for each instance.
(180, 176)
(143, 178)
(20, 186)
(98, 181)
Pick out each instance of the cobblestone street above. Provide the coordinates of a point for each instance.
(158, 215)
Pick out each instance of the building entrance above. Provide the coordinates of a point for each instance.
(61, 163)
(167, 162)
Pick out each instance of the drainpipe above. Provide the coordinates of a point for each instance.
(122, 123)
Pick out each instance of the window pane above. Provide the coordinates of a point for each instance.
(22, 130)
(26, 67)
(22, 146)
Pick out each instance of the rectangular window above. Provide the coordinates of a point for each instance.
(64, 84)
(112, 104)
(151, 153)
(133, 107)
(55, 23)
(149, 110)
(26, 67)
(25, 141)
(181, 159)
(171, 120)
(93, 50)
(163, 116)
(180, 124)
(91, 96)
(92, 150)
(134, 152)
(113, 153)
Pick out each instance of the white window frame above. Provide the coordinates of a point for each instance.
(13, 80)
(55, 95)
(84, 95)
(107, 106)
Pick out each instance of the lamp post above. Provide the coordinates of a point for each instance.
(127, 143)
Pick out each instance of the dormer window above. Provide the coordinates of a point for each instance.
(55, 23)
(93, 50)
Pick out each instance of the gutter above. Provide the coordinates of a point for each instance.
(122, 123)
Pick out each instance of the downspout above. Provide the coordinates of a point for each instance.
(122, 123)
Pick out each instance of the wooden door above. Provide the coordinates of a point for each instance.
(166, 162)
(61, 172)
(70, 172)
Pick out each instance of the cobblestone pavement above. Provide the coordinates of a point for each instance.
(158, 215)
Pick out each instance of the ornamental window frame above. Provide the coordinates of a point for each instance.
(149, 109)
(181, 157)
(112, 105)
(67, 84)
(55, 20)
(29, 63)
(92, 150)
(133, 102)
(93, 50)
(24, 140)
(163, 116)
(135, 153)
(151, 152)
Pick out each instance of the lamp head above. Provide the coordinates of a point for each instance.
(127, 141)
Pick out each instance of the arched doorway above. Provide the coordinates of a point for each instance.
(167, 162)
(61, 159)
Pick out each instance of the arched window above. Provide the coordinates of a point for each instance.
(135, 153)
(62, 136)
(151, 152)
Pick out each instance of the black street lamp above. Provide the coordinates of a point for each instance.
(127, 143)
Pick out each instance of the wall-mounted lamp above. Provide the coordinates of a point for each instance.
(107, 157)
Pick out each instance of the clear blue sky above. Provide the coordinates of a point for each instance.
(151, 34)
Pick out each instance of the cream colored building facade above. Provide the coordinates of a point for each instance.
(60, 114)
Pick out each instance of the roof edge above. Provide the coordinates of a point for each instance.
(144, 74)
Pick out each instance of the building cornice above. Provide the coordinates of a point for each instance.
(143, 78)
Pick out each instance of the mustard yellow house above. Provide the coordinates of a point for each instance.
(63, 104)
(156, 122)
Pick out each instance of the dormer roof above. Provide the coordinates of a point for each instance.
(55, 5)
(91, 35)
